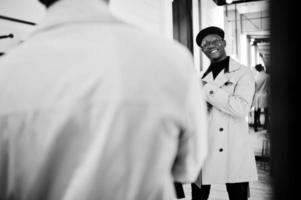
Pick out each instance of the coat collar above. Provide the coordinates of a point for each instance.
(223, 76)
(234, 65)
(76, 11)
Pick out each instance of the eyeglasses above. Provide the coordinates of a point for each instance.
(209, 43)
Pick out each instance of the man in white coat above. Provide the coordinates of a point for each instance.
(94, 109)
(229, 89)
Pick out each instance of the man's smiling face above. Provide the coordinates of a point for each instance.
(214, 47)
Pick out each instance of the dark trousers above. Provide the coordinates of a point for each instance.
(266, 119)
(179, 190)
(236, 191)
(257, 113)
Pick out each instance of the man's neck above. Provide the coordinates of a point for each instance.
(219, 60)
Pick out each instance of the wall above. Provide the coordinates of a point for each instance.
(244, 53)
(196, 27)
(19, 9)
(156, 16)
(152, 15)
(210, 15)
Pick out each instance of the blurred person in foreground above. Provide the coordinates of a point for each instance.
(229, 88)
(92, 108)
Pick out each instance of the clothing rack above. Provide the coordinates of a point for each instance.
(16, 20)
(7, 36)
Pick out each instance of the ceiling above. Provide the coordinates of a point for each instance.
(250, 7)
(255, 16)
(224, 2)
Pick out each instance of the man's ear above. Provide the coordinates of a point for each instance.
(224, 43)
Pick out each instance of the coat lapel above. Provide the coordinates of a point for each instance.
(208, 77)
(233, 65)
(221, 78)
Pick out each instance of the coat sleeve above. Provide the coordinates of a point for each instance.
(236, 104)
(192, 148)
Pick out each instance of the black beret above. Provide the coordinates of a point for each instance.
(207, 31)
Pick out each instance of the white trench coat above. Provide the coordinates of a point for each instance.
(230, 157)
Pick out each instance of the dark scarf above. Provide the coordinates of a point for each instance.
(217, 67)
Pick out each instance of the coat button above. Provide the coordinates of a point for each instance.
(221, 129)
(220, 150)
(211, 92)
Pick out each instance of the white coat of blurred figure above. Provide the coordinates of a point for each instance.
(93, 108)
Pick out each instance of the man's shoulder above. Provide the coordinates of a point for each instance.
(236, 65)
(234, 61)
(240, 70)
(158, 48)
